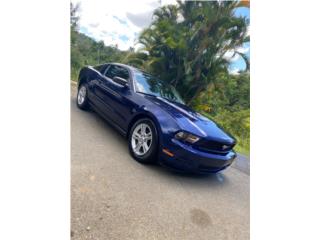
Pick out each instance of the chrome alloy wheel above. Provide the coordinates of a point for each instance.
(82, 94)
(141, 139)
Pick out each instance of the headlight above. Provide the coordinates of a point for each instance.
(188, 137)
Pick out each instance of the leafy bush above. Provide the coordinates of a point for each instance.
(228, 103)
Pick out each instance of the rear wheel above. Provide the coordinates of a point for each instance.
(143, 141)
(82, 97)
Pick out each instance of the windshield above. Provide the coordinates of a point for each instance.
(148, 84)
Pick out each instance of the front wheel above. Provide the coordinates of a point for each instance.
(143, 141)
(82, 97)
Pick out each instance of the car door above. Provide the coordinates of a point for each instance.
(101, 69)
(115, 96)
(96, 87)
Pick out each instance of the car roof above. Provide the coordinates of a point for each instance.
(131, 68)
(127, 66)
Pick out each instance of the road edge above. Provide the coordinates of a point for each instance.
(242, 163)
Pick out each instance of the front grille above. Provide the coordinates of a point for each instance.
(213, 147)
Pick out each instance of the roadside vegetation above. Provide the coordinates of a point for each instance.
(186, 45)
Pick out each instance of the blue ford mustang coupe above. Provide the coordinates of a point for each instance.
(153, 117)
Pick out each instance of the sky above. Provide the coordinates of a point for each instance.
(119, 23)
(238, 63)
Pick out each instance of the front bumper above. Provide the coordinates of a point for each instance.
(188, 159)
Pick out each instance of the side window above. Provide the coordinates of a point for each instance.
(117, 71)
(101, 68)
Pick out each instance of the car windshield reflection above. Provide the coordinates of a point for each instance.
(150, 85)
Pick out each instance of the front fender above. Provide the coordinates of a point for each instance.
(166, 126)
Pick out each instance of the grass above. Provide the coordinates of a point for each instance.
(234, 127)
(243, 150)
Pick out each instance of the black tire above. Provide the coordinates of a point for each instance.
(151, 155)
(84, 105)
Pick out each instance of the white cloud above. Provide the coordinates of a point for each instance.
(234, 71)
(141, 20)
(243, 49)
(231, 56)
(118, 22)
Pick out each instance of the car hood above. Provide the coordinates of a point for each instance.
(193, 122)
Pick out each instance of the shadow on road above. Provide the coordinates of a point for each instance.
(214, 179)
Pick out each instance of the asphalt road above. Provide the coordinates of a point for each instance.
(115, 197)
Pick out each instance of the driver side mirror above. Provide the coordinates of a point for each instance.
(123, 82)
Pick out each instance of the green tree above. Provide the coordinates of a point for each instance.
(74, 17)
(186, 44)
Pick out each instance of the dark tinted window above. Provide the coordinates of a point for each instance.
(101, 68)
(117, 71)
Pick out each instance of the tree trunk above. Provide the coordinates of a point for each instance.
(197, 93)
